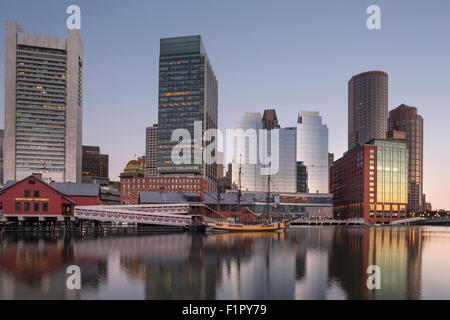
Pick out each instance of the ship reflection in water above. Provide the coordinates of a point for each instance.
(303, 263)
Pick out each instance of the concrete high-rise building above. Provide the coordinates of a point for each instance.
(43, 105)
(405, 119)
(151, 150)
(2, 133)
(188, 92)
(95, 166)
(367, 107)
(312, 149)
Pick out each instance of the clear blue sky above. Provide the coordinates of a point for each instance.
(290, 55)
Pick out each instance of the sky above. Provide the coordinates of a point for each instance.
(287, 55)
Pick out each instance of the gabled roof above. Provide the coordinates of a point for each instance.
(76, 189)
(65, 188)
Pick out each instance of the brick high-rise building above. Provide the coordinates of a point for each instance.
(2, 132)
(370, 182)
(94, 164)
(406, 120)
(151, 150)
(43, 104)
(270, 120)
(367, 107)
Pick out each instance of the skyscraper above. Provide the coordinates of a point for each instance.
(43, 104)
(95, 166)
(188, 92)
(283, 177)
(270, 120)
(2, 135)
(367, 107)
(312, 149)
(151, 150)
(250, 178)
(405, 118)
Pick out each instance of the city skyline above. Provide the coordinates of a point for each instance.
(287, 82)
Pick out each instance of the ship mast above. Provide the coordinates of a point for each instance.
(239, 188)
(218, 195)
(268, 192)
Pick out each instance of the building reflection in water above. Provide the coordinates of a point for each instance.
(303, 263)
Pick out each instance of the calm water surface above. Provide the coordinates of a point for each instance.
(303, 263)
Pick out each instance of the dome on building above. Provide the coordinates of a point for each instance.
(134, 166)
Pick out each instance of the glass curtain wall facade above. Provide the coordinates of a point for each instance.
(283, 178)
(391, 178)
(188, 92)
(250, 178)
(312, 149)
(43, 104)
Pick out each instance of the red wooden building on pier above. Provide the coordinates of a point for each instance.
(33, 199)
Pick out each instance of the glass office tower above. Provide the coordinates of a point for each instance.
(250, 178)
(283, 176)
(188, 92)
(312, 149)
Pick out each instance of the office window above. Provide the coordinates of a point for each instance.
(26, 193)
(44, 206)
(36, 206)
(18, 206)
(26, 206)
(36, 193)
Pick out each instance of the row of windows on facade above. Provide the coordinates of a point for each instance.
(42, 62)
(27, 206)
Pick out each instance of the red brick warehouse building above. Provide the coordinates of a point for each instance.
(370, 182)
(132, 181)
(35, 200)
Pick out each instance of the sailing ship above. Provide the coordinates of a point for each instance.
(235, 226)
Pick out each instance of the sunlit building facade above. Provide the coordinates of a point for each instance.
(371, 182)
